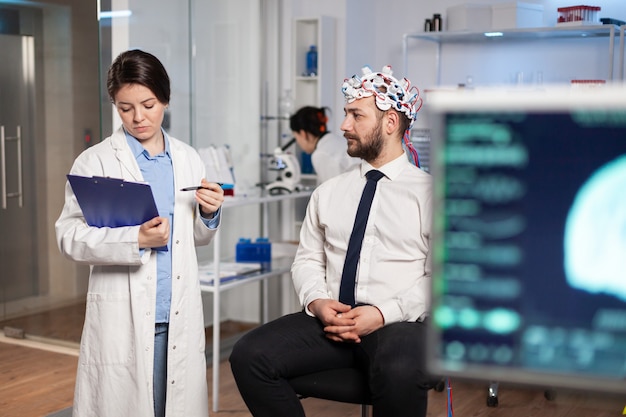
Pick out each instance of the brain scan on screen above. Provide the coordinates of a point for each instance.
(595, 233)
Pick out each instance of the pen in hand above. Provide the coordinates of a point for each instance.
(198, 187)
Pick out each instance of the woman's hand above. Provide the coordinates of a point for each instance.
(210, 198)
(154, 233)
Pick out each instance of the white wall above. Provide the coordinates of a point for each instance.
(371, 32)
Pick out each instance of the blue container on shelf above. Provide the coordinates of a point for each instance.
(311, 61)
(257, 251)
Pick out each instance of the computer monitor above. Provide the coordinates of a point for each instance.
(529, 236)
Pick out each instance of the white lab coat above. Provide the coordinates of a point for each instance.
(115, 366)
(330, 157)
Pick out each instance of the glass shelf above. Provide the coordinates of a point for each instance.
(582, 31)
(310, 78)
(276, 267)
(236, 201)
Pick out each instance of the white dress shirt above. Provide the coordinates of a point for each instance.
(394, 267)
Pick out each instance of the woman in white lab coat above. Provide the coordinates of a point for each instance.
(329, 152)
(119, 372)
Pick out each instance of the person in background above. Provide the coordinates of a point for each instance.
(142, 345)
(328, 151)
(376, 321)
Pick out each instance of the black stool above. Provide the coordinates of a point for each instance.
(346, 385)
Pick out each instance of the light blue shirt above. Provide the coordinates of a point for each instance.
(158, 171)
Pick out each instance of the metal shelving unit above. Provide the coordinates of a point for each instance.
(522, 34)
(276, 268)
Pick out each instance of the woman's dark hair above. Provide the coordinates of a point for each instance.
(139, 67)
(310, 119)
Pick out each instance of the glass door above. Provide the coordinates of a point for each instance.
(18, 196)
(48, 101)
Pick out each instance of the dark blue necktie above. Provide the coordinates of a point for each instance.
(348, 277)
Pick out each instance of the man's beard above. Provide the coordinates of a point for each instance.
(370, 146)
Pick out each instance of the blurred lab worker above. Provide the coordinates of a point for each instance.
(142, 346)
(364, 285)
(328, 151)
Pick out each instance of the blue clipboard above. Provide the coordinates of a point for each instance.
(113, 202)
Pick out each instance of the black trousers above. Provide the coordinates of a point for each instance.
(293, 345)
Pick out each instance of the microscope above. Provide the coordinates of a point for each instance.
(288, 169)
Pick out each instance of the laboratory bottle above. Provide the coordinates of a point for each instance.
(428, 24)
(311, 61)
(436, 24)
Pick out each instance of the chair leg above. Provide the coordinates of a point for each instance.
(364, 410)
(492, 394)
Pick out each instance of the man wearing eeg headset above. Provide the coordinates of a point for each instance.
(377, 322)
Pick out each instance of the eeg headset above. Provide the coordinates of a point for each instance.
(389, 93)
